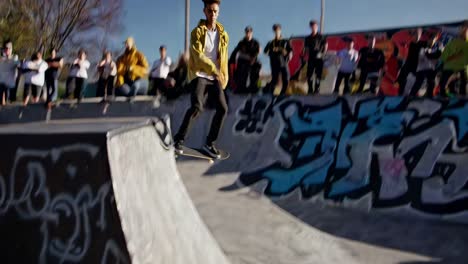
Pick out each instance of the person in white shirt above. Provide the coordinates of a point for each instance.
(159, 71)
(107, 69)
(348, 58)
(34, 78)
(78, 75)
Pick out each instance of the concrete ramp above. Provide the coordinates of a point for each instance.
(97, 191)
(160, 223)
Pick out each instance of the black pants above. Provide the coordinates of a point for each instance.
(205, 89)
(4, 91)
(339, 79)
(75, 87)
(403, 77)
(446, 74)
(430, 77)
(31, 89)
(245, 70)
(105, 86)
(276, 71)
(157, 87)
(314, 66)
(373, 81)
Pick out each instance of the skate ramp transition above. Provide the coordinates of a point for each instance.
(403, 156)
(102, 191)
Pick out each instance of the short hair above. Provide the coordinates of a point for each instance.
(313, 22)
(276, 26)
(210, 2)
(162, 47)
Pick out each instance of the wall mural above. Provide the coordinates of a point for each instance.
(399, 151)
(57, 206)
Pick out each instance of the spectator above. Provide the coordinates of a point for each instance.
(159, 71)
(55, 64)
(455, 60)
(371, 63)
(316, 47)
(176, 83)
(411, 64)
(348, 58)
(77, 78)
(245, 56)
(280, 52)
(107, 70)
(429, 56)
(34, 78)
(132, 66)
(8, 73)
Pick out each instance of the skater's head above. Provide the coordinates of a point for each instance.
(314, 27)
(249, 33)
(211, 10)
(129, 44)
(277, 30)
(37, 56)
(107, 56)
(163, 51)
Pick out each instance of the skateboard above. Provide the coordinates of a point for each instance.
(201, 154)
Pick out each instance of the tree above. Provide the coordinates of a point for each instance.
(65, 25)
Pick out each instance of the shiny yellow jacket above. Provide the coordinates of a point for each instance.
(132, 64)
(198, 62)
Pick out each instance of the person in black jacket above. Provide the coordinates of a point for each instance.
(280, 52)
(316, 46)
(411, 63)
(245, 56)
(371, 64)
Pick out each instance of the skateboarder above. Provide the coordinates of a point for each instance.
(208, 74)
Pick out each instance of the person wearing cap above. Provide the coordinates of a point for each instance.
(315, 45)
(159, 72)
(280, 52)
(208, 75)
(132, 67)
(8, 73)
(245, 56)
(348, 59)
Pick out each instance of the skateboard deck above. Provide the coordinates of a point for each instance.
(201, 154)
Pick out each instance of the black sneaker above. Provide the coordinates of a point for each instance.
(212, 151)
(178, 146)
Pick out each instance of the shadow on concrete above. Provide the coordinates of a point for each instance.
(443, 242)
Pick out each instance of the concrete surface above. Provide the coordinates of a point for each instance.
(254, 229)
(159, 221)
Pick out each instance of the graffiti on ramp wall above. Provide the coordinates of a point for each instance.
(400, 152)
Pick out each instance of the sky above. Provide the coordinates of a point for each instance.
(157, 22)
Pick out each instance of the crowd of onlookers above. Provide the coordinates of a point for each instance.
(428, 60)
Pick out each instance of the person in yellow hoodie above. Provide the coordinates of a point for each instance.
(132, 67)
(208, 75)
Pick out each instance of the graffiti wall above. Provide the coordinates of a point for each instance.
(398, 152)
(393, 42)
(56, 201)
